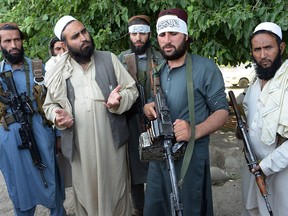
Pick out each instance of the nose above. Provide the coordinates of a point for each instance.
(138, 36)
(82, 37)
(263, 53)
(13, 44)
(166, 38)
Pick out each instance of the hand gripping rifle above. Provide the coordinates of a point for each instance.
(249, 152)
(163, 128)
(22, 112)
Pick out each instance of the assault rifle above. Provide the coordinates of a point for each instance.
(249, 153)
(22, 113)
(162, 128)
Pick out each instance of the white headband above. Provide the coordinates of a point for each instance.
(171, 23)
(139, 29)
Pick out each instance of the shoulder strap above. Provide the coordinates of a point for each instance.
(155, 78)
(39, 90)
(130, 60)
(190, 146)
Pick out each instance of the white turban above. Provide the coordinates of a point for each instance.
(61, 24)
(269, 26)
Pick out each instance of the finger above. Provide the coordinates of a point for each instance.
(59, 111)
(106, 105)
(117, 89)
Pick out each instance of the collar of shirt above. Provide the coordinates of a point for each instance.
(143, 56)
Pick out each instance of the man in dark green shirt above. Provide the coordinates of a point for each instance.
(194, 91)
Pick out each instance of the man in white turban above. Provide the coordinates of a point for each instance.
(88, 91)
(265, 105)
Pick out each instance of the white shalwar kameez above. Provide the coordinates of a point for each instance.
(100, 174)
(274, 163)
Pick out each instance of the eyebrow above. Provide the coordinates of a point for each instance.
(78, 33)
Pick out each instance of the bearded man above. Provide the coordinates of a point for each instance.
(26, 187)
(194, 91)
(265, 105)
(88, 91)
(145, 57)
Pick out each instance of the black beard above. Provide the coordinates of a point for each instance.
(268, 73)
(139, 50)
(82, 55)
(15, 58)
(178, 53)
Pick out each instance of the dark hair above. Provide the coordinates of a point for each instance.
(51, 44)
(12, 27)
(138, 21)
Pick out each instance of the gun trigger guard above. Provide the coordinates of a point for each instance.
(177, 146)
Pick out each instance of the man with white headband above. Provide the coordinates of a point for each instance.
(194, 91)
(139, 61)
(265, 105)
(88, 90)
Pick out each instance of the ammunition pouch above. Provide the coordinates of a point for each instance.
(7, 120)
(2, 109)
(40, 94)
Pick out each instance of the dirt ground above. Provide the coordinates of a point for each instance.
(225, 155)
(226, 195)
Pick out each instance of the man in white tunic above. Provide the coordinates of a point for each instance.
(90, 117)
(265, 105)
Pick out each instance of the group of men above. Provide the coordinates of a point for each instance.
(91, 97)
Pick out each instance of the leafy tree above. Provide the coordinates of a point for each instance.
(220, 29)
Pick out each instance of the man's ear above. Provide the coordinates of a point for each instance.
(282, 47)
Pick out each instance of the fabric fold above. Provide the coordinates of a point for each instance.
(58, 70)
(274, 97)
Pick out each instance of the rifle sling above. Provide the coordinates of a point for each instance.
(190, 92)
(130, 60)
(190, 147)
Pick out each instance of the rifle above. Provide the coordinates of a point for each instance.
(22, 113)
(249, 153)
(162, 129)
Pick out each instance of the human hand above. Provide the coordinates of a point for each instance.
(114, 98)
(255, 169)
(63, 118)
(149, 111)
(182, 130)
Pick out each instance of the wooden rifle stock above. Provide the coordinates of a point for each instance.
(249, 152)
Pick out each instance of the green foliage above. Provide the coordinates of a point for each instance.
(220, 29)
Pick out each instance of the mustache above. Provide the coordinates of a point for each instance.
(86, 42)
(265, 60)
(14, 49)
(168, 46)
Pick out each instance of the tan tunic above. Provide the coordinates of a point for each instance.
(100, 174)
